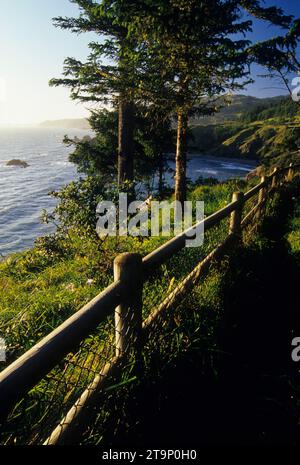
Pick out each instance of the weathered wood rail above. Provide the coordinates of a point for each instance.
(124, 298)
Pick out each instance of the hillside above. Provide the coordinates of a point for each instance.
(240, 104)
(67, 124)
(250, 127)
(265, 132)
(264, 139)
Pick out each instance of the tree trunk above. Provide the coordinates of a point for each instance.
(125, 149)
(181, 155)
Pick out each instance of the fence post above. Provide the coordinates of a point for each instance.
(236, 215)
(275, 178)
(262, 192)
(290, 172)
(128, 268)
(261, 197)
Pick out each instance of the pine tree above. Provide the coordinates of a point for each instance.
(109, 84)
(96, 155)
(198, 51)
(174, 56)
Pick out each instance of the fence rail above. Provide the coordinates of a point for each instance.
(124, 299)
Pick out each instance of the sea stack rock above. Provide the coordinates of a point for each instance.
(20, 163)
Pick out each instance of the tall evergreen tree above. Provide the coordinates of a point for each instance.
(94, 155)
(177, 56)
(198, 50)
(113, 83)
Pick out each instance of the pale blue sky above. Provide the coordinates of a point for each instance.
(32, 51)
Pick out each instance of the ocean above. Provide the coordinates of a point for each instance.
(24, 191)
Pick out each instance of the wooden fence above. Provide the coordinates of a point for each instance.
(124, 297)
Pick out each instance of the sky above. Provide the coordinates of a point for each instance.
(32, 52)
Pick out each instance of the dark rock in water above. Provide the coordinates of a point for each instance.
(21, 163)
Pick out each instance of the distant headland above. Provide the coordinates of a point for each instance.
(81, 123)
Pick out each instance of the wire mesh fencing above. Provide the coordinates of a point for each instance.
(164, 295)
(45, 408)
(39, 412)
(82, 398)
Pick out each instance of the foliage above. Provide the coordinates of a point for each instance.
(46, 284)
(208, 138)
(115, 83)
(174, 55)
(53, 291)
(153, 137)
(199, 57)
(97, 154)
(264, 140)
(93, 81)
(293, 235)
(285, 108)
(265, 133)
(75, 212)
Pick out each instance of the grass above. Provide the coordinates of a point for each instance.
(41, 291)
(275, 137)
(293, 236)
(220, 371)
